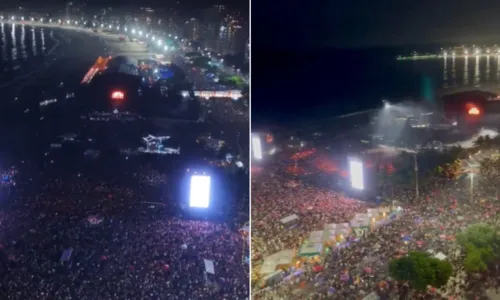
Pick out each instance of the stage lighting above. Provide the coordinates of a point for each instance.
(256, 147)
(474, 111)
(117, 95)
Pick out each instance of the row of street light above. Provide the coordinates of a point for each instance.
(132, 31)
(135, 32)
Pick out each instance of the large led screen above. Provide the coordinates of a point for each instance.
(199, 192)
(356, 174)
(256, 147)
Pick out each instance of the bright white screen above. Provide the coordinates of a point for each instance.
(199, 194)
(356, 172)
(257, 147)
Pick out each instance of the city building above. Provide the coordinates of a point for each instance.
(232, 35)
(212, 19)
(247, 51)
(193, 29)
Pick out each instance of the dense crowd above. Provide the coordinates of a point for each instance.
(276, 197)
(226, 111)
(122, 247)
(361, 268)
(151, 178)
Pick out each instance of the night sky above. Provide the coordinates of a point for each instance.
(319, 56)
(369, 23)
(183, 6)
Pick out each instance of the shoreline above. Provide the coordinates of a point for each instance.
(65, 37)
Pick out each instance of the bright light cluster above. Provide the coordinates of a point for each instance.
(256, 147)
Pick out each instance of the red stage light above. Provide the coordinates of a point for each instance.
(474, 111)
(117, 95)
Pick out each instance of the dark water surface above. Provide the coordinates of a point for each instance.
(292, 86)
(23, 49)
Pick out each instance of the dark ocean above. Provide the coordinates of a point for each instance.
(313, 85)
(23, 49)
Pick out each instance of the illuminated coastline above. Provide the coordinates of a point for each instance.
(455, 52)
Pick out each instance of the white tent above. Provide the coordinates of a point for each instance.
(366, 216)
(333, 226)
(316, 236)
(209, 266)
(360, 222)
(273, 261)
(311, 249)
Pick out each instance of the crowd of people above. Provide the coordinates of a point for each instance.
(225, 111)
(151, 177)
(361, 268)
(276, 197)
(122, 245)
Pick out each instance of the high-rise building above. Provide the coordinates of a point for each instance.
(247, 51)
(212, 18)
(211, 36)
(232, 35)
(172, 25)
(193, 29)
(75, 9)
(214, 14)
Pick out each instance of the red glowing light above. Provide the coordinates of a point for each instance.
(117, 95)
(474, 111)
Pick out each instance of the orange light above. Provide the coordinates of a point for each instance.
(474, 111)
(117, 95)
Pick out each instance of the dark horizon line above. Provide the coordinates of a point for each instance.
(417, 46)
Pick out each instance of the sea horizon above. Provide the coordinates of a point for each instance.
(310, 84)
